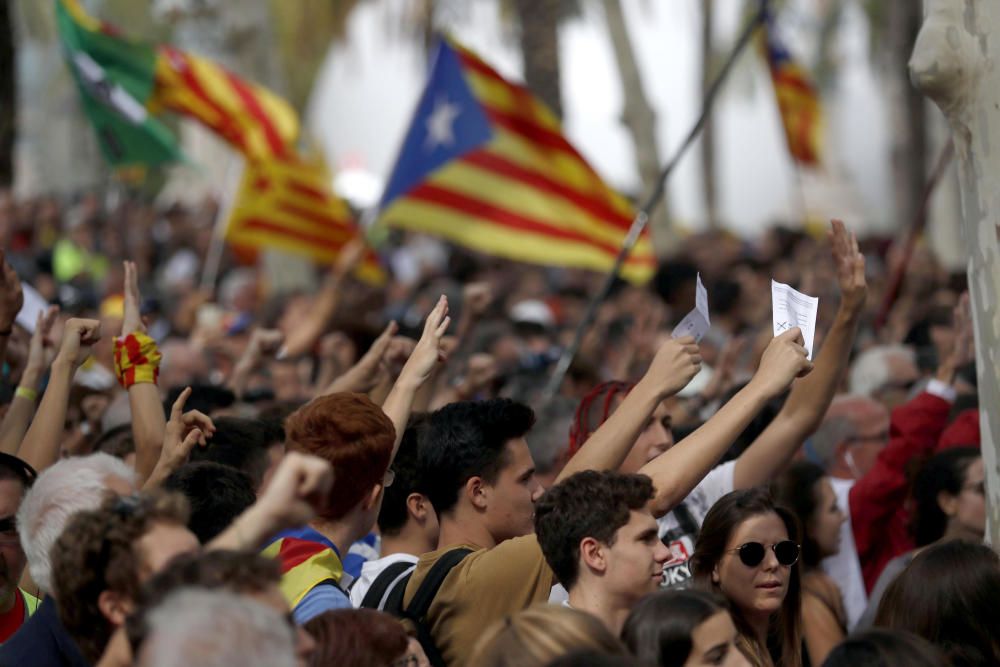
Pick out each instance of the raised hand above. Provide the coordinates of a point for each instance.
(296, 492)
(41, 349)
(430, 348)
(183, 432)
(79, 337)
(783, 361)
(964, 346)
(350, 257)
(11, 295)
(676, 362)
(850, 266)
(132, 317)
(476, 298)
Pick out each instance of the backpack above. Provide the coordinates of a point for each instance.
(387, 590)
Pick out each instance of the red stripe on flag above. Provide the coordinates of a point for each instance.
(321, 219)
(259, 224)
(531, 131)
(433, 194)
(181, 66)
(252, 104)
(293, 552)
(593, 205)
(307, 190)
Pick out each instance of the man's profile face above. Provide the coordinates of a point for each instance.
(12, 558)
(511, 508)
(635, 559)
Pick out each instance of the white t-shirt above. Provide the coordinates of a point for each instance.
(844, 567)
(679, 527)
(370, 571)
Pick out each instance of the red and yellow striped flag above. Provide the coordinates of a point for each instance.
(485, 164)
(251, 118)
(288, 204)
(798, 99)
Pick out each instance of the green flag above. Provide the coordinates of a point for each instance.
(115, 78)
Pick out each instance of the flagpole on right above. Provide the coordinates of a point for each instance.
(213, 259)
(642, 217)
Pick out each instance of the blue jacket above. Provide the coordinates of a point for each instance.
(42, 642)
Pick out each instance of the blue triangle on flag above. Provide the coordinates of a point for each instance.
(448, 123)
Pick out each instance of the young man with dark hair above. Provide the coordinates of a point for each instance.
(482, 483)
(407, 521)
(216, 493)
(254, 446)
(359, 440)
(601, 541)
(15, 605)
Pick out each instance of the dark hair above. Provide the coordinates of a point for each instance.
(945, 471)
(468, 439)
(587, 504)
(216, 493)
(353, 435)
(11, 467)
(593, 658)
(884, 648)
(242, 572)
(95, 553)
(356, 637)
(394, 513)
(242, 444)
(118, 442)
(658, 629)
(948, 595)
(797, 489)
(204, 397)
(722, 520)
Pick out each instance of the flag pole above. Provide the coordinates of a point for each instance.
(642, 217)
(213, 260)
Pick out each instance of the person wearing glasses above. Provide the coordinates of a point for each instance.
(748, 552)
(805, 489)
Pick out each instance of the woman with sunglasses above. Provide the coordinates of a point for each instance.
(805, 489)
(748, 551)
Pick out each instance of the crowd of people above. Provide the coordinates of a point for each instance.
(373, 475)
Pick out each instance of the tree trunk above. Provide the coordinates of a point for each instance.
(708, 132)
(8, 94)
(539, 21)
(953, 64)
(909, 113)
(640, 119)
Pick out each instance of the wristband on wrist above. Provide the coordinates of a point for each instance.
(26, 392)
(137, 360)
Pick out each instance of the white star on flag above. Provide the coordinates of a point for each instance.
(440, 123)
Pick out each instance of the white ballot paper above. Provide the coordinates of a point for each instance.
(34, 303)
(791, 308)
(696, 323)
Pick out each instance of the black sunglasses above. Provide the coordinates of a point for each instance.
(752, 553)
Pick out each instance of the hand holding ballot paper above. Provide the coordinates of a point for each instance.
(696, 323)
(790, 309)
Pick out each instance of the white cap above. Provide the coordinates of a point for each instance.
(533, 311)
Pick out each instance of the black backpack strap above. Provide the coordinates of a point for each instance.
(416, 611)
(387, 580)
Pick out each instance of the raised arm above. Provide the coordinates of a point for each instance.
(40, 447)
(183, 432)
(40, 353)
(364, 375)
(679, 469)
(811, 396)
(304, 337)
(418, 369)
(263, 343)
(148, 420)
(675, 363)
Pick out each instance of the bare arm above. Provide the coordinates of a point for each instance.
(304, 337)
(676, 362)
(679, 469)
(811, 396)
(364, 375)
(263, 342)
(182, 433)
(18, 417)
(148, 420)
(40, 447)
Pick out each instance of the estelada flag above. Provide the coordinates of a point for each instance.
(130, 82)
(486, 165)
(287, 203)
(798, 99)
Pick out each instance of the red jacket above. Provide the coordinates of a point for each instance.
(878, 514)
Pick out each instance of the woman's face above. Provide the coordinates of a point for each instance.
(759, 590)
(826, 520)
(714, 643)
(969, 515)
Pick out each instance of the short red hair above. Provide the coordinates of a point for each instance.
(353, 435)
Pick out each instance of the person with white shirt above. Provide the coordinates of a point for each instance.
(407, 521)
